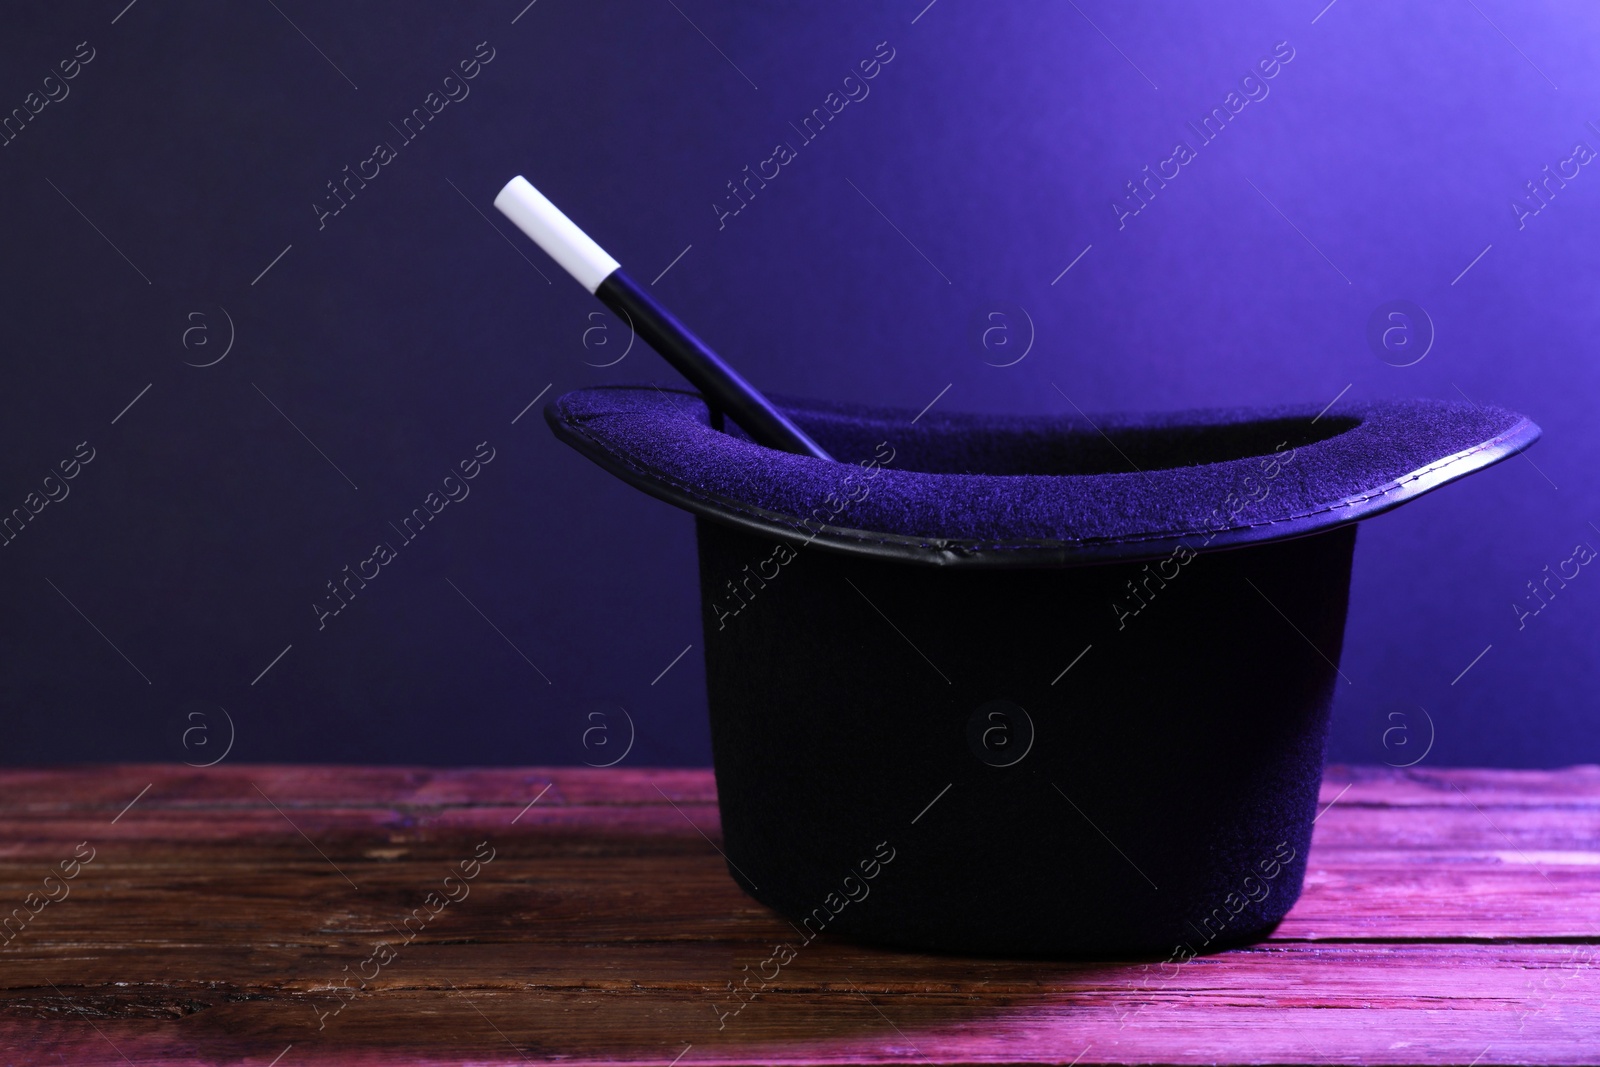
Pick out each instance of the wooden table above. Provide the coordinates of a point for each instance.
(1449, 916)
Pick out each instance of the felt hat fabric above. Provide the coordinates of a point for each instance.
(982, 490)
(992, 685)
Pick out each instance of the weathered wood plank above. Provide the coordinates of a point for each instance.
(605, 929)
(680, 896)
(110, 787)
(1367, 1004)
(1430, 786)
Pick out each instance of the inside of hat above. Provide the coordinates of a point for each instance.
(1002, 446)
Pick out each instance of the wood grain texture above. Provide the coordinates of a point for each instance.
(1449, 916)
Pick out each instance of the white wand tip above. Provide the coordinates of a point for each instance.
(552, 231)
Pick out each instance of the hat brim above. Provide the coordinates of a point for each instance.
(990, 491)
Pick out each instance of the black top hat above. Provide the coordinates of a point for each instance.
(1008, 654)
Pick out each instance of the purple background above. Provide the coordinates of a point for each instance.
(987, 157)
